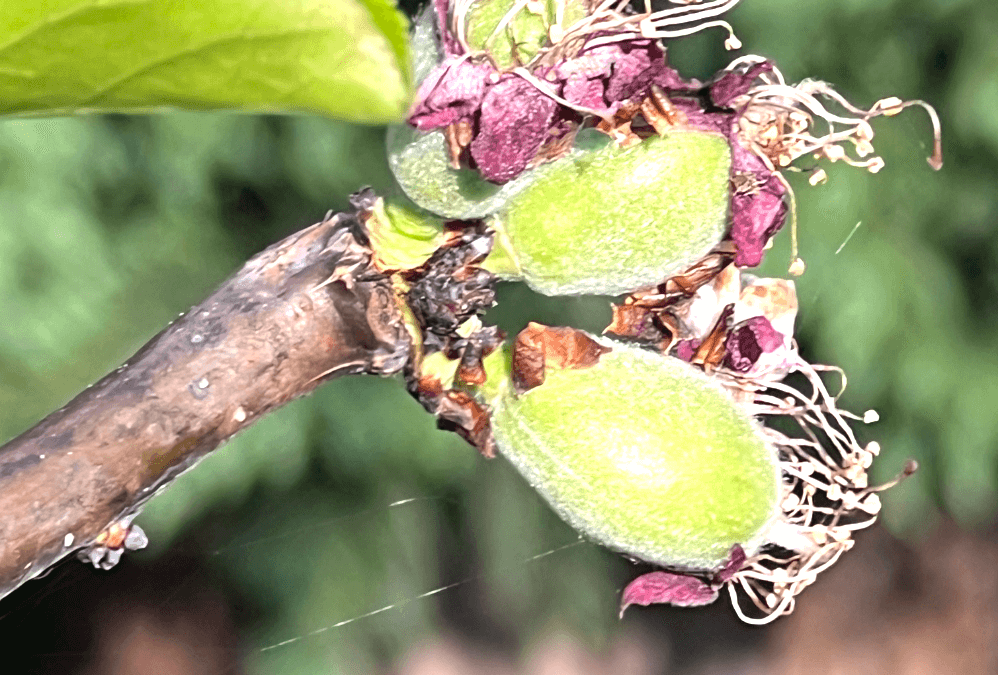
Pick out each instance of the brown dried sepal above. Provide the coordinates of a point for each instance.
(633, 321)
(701, 272)
(457, 411)
(660, 112)
(619, 127)
(461, 413)
(647, 325)
(651, 316)
(458, 136)
(710, 353)
(538, 347)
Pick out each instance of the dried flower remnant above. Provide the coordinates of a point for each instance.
(825, 493)
(444, 299)
(522, 77)
(681, 590)
(606, 68)
(778, 123)
(107, 548)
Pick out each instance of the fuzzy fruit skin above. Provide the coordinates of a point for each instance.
(645, 455)
(419, 160)
(613, 220)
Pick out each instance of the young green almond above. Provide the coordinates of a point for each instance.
(612, 220)
(603, 220)
(641, 453)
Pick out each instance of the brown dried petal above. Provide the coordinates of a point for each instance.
(461, 413)
(632, 321)
(538, 347)
(711, 351)
(700, 273)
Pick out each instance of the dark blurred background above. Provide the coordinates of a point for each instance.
(110, 226)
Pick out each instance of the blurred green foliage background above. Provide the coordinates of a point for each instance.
(110, 226)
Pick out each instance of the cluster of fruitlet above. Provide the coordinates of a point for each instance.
(550, 142)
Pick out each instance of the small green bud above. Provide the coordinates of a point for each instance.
(641, 453)
(514, 40)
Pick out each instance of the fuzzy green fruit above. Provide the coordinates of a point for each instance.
(419, 160)
(643, 454)
(613, 220)
(603, 220)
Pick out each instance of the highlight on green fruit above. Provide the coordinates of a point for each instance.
(639, 452)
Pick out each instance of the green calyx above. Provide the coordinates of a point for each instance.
(643, 454)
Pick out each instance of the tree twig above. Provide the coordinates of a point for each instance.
(305, 310)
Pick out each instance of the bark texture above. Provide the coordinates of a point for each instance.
(307, 309)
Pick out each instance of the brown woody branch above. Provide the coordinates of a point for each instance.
(306, 310)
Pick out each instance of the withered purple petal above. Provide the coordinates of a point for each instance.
(757, 213)
(633, 71)
(584, 92)
(513, 126)
(640, 64)
(452, 91)
(736, 559)
(748, 341)
(450, 44)
(696, 118)
(596, 62)
(733, 84)
(685, 349)
(755, 218)
(667, 588)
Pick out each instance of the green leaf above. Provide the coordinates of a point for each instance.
(341, 58)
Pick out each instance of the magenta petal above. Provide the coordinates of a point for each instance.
(755, 218)
(667, 588)
(736, 559)
(696, 118)
(685, 349)
(748, 341)
(640, 64)
(733, 84)
(632, 72)
(513, 126)
(758, 213)
(671, 81)
(583, 92)
(452, 91)
(450, 44)
(596, 62)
